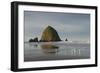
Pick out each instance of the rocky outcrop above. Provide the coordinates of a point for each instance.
(66, 39)
(33, 40)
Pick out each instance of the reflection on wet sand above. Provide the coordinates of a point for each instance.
(75, 51)
(49, 48)
(35, 45)
(43, 51)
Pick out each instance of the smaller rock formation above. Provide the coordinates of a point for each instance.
(66, 39)
(33, 40)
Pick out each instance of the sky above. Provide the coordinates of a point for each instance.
(73, 26)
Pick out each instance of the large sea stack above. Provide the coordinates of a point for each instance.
(50, 34)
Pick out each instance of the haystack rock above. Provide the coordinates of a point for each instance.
(50, 34)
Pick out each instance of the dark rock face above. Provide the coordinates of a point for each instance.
(66, 39)
(50, 34)
(33, 40)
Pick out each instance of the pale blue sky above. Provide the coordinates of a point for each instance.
(73, 26)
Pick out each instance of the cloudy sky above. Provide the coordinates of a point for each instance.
(73, 26)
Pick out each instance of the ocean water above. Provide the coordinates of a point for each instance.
(44, 51)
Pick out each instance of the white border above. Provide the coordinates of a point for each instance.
(22, 64)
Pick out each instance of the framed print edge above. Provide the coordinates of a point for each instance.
(14, 35)
(96, 36)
